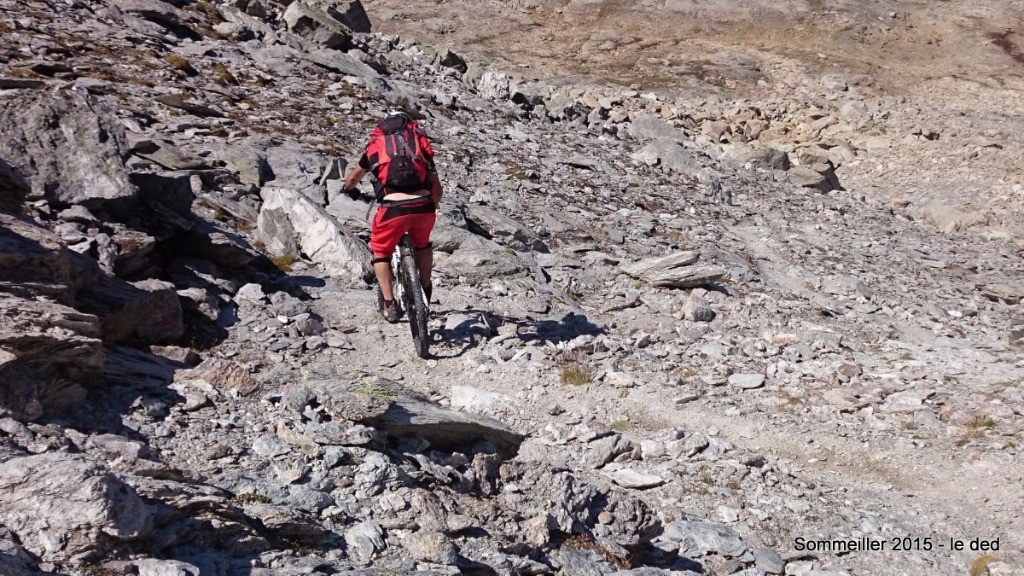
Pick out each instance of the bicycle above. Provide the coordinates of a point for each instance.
(408, 290)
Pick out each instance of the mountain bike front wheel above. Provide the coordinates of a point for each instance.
(414, 300)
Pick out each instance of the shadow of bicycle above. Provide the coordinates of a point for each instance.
(469, 328)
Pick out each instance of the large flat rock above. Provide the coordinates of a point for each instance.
(62, 505)
(66, 145)
(291, 224)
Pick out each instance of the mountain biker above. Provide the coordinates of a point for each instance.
(408, 191)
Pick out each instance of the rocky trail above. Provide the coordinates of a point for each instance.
(708, 324)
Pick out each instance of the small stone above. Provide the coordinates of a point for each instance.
(768, 560)
(632, 479)
(747, 381)
(152, 567)
(269, 447)
(217, 451)
(364, 540)
(728, 514)
(431, 546)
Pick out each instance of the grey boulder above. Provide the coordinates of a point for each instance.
(66, 146)
(63, 505)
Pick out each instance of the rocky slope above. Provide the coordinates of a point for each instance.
(673, 334)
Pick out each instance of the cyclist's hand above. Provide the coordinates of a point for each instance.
(354, 193)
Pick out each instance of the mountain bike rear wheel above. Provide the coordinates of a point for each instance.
(415, 303)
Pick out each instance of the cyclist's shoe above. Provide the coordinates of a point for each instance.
(428, 291)
(390, 311)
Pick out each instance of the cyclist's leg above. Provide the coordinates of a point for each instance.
(419, 233)
(385, 277)
(384, 237)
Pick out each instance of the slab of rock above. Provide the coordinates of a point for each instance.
(66, 146)
(670, 155)
(62, 505)
(217, 244)
(315, 25)
(696, 539)
(249, 162)
(646, 127)
(477, 400)
(286, 521)
(493, 86)
(169, 156)
(493, 224)
(747, 381)
(952, 217)
(768, 158)
(153, 567)
(769, 560)
(632, 479)
(1003, 292)
(365, 539)
(445, 429)
(148, 311)
(290, 223)
(431, 546)
(475, 257)
(806, 177)
(675, 271)
(34, 261)
(46, 348)
(1017, 330)
(297, 169)
(906, 401)
(169, 194)
(349, 13)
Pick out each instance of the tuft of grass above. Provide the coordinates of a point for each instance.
(685, 372)
(97, 570)
(582, 542)
(211, 11)
(224, 75)
(980, 566)
(621, 425)
(179, 63)
(977, 426)
(283, 262)
(373, 391)
(980, 422)
(575, 371)
(251, 498)
(576, 375)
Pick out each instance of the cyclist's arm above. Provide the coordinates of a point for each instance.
(353, 177)
(435, 187)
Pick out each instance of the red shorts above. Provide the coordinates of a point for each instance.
(390, 223)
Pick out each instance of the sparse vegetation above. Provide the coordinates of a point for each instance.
(621, 425)
(224, 75)
(181, 64)
(980, 566)
(685, 372)
(251, 498)
(283, 262)
(374, 391)
(575, 369)
(582, 542)
(576, 375)
(977, 426)
(980, 422)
